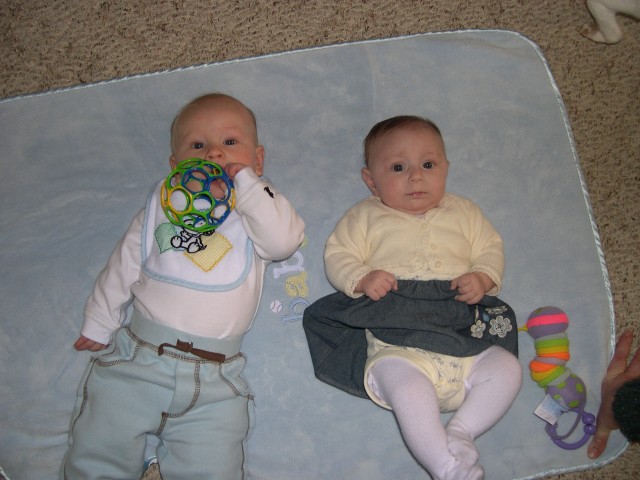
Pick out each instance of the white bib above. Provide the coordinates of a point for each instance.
(216, 262)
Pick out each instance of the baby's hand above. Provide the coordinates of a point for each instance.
(472, 287)
(232, 169)
(83, 343)
(218, 189)
(376, 284)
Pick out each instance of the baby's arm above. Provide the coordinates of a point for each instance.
(472, 287)
(273, 225)
(345, 257)
(348, 257)
(106, 307)
(486, 259)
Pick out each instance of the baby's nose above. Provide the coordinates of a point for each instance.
(214, 153)
(416, 174)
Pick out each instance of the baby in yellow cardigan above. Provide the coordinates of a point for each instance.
(417, 271)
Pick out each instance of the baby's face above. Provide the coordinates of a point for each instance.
(221, 131)
(408, 169)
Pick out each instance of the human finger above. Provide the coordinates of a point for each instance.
(618, 362)
(598, 443)
(633, 370)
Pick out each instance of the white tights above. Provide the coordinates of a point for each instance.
(448, 453)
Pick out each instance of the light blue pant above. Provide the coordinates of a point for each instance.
(201, 410)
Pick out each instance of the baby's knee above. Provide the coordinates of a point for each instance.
(502, 365)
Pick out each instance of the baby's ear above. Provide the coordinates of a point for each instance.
(259, 160)
(173, 162)
(368, 180)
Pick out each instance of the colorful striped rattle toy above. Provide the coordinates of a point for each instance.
(548, 325)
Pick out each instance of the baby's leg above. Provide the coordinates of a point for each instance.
(414, 402)
(107, 438)
(492, 386)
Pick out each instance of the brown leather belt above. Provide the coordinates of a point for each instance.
(187, 347)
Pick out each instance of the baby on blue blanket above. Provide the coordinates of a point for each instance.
(175, 371)
(416, 325)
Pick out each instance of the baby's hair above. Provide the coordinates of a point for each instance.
(626, 409)
(196, 102)
(380, 129)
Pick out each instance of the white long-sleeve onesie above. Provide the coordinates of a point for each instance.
(275, 231)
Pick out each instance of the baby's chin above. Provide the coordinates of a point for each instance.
(416, 206)
(417, 211)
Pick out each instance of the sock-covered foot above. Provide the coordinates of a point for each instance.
(461, 444)
(460, 471)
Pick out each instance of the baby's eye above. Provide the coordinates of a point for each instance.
(197, 145)
(230, 141)
(397, 167)
(427, 165)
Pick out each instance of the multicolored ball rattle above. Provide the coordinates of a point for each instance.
(197, 195)
(547, 325)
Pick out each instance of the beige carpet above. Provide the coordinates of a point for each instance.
(50, 44)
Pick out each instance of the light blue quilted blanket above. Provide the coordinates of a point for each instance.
(77, 164)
